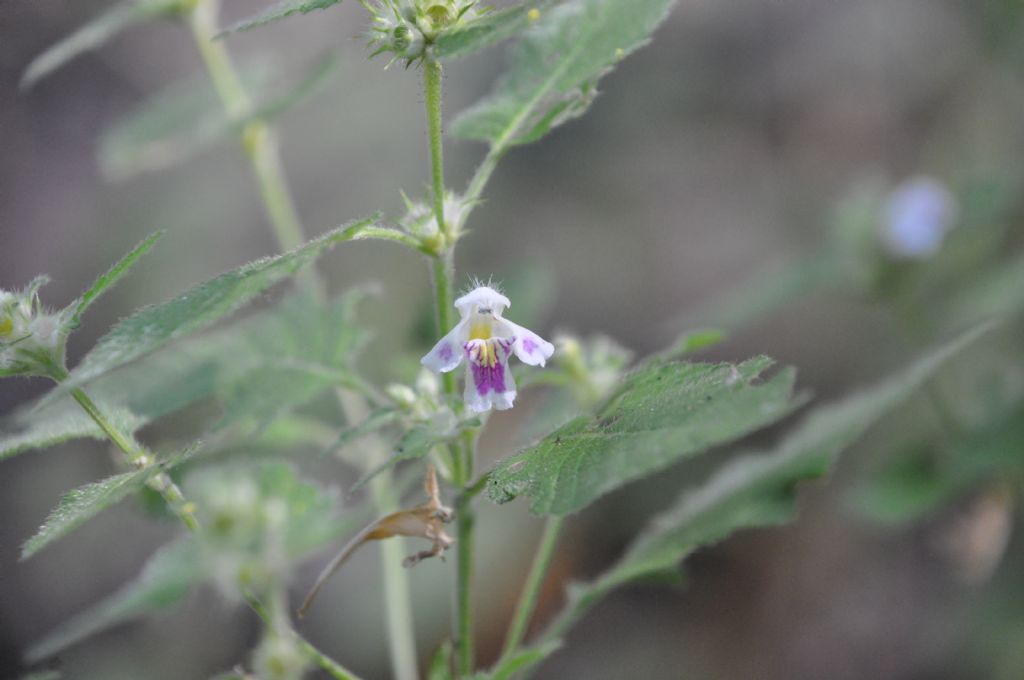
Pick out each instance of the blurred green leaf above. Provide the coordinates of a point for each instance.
(553, 73)
(311, 344)
(152, 327)
(374, 422)
(997, 292)
(278, 11)
(84, 503)
(95, 34)
(916, 483)
(767, 291)
(490, 28)
(312, 521)
(39, 427)
(312, 512)
(188, 117)
(304, 349)
(693, 342)
(166, 578)
(107, 280)
(754, 490)
(419, 440)
(662, 413)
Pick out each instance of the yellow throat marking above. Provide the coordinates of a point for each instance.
(480, 330)
(6, 326)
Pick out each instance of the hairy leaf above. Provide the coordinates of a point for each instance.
(663, 412)
(278, 11)
(107, 280)
(84, 503)
(312, 522)
(754, 490)
(63, 420)
(166, 578)
(490, 28)
(95, 34)
(310, 344)
(554, 70)
(153, 327)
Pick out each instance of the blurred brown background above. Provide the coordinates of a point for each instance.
(715, 151)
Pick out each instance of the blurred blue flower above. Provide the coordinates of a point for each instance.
(917, 216)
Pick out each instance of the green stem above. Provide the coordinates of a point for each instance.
(160, 482)
(462, 453)
(257, 137)
(444, 273)
(432, 89)
(332, 667)
(465, 519)
(531, 590)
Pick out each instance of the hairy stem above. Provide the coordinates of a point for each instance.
(256, 136)
(136, 456)
(531, 590)
(432, 90)
(462, 453)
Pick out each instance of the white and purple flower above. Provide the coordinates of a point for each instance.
(486, 341)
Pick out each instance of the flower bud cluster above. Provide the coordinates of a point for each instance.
(406, 28)
(32, 340)
(592, 367)
(243, 530)
(280, 657)
(421, 222)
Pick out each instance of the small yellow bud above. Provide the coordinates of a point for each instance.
(533, 14)
(6, 326)
(189, 508)
(620, 53)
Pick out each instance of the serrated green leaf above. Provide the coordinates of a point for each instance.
(489, 29)
(84, 503)
(40, 427)
(95, 34)
(188, 117)
(112, 276)
(419, 440)
(554, 70)
(311, 343)
(276, 12)
(308, 349)
(664, 412)
(754, 490)
(312, 521)
(166, 578)
(153, 327)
